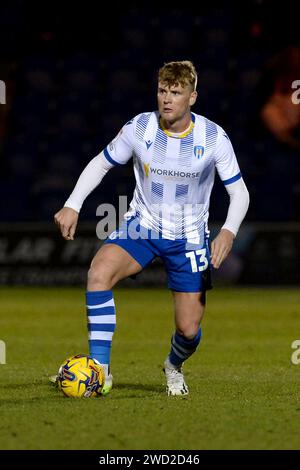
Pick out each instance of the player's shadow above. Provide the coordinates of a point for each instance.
(138, 387)
(25, 386)
(20, 401)
(129, 390)
(29, 389)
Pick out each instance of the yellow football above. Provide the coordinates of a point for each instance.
(81, 376)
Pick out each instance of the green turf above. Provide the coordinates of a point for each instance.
(244, 390)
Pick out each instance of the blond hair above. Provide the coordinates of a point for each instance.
(178, 73)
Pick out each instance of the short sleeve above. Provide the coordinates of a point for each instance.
(120, 149)
(225, 159)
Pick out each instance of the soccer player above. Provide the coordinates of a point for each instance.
(175, 153)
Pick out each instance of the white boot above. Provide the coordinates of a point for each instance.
(175, 380)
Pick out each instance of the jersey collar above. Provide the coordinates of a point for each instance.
(179, 135)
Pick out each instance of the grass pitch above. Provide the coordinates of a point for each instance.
(244, 390)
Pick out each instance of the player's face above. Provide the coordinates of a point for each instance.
(174, 102)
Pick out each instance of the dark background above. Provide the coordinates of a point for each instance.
(76, 72)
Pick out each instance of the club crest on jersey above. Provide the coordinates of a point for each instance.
(198, 151)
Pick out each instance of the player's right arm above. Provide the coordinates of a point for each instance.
(118, 152)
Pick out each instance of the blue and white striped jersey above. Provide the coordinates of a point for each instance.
(174, 173)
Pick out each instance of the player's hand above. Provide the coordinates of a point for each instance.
(221, 247)
(67, 219)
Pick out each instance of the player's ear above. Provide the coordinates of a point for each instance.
(193, 97)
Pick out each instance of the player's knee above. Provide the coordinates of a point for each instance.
(100, 278)
(188, 329)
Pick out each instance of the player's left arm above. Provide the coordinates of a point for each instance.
(229, 172)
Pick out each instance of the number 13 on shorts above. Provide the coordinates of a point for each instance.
(198, 259)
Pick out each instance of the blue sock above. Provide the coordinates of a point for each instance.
(101, 316)
(182, 348)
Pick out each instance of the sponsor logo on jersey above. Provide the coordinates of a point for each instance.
(198, 151)
(169, 174)
(146, 168)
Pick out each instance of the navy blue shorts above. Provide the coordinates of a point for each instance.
(187, 265)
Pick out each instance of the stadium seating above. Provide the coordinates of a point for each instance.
(68, 102)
